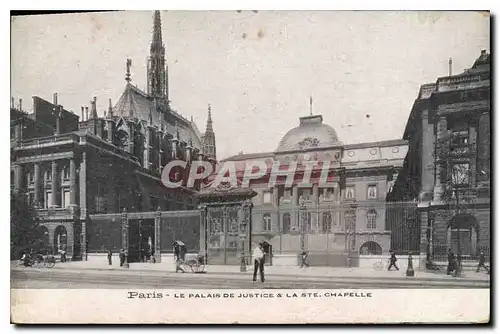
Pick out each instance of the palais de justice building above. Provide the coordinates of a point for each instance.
(75, 167)
(348, 216)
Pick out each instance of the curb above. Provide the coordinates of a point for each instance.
(359, 278)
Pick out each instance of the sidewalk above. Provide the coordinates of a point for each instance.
(287, 271)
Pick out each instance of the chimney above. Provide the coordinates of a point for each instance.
(450, 62)
(83, 113)
(55, 99)
(87, 113)
(20, 104)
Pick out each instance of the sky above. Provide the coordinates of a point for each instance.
(257, 70)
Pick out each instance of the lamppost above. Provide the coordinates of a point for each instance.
(303, 216)
(409, 270)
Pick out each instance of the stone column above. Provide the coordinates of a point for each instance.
(36, 177)
(147, 148)
(18, 178)
(473, 236)
(315, 215)
(472, 147)
(54, 185)
(427, 170)
(442, 129)
(72, 185)
(157, 245)
(83, 204)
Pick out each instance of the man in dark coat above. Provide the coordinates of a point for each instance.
(303, 258)
(481, 264)
(392, 260)
(110, 257)
(451, 262)
(122, 257)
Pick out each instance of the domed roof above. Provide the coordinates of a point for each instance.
(310, 134)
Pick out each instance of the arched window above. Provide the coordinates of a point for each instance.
(371, 219)
(266, 222)
(327, 222)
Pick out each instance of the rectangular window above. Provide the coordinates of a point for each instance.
(350, 193)
(372, 191)
(48, 199)
(350, 220)
(66, 172)
(328, 193)
(305, 193)
(460, 174)
(153, 203)
(371, 219)
(266, 197)
(287, 193)
(66, 199)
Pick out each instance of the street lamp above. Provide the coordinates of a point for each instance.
(303, 216)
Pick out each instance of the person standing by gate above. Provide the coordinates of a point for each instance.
(110, 256)
(303, 257)
(392, 260)
(258, 263)
(481, 264)
(451, 262)
(122, 257)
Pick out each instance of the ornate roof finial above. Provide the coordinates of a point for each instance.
(129, 64)
(209, 120)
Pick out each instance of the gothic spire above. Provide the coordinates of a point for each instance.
(157, 70)
(209, 120)
(157, 42)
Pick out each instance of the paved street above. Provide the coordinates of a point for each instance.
(69, 278)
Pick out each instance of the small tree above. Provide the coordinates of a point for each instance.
(24, 225)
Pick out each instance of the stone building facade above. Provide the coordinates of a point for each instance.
(447, 169)
(73, 167)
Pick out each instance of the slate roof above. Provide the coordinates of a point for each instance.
(136, 103)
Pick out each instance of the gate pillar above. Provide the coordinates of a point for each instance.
(157, 245)
(225, 225)
(124, 222)
(203, 231)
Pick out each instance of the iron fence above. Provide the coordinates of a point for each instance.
(357, 228)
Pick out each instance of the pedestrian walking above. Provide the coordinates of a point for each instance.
(110, 257)
(393, 259)
(481, 264)
(451, 262)
(303, 258)
(258, 262)
(122, 257)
